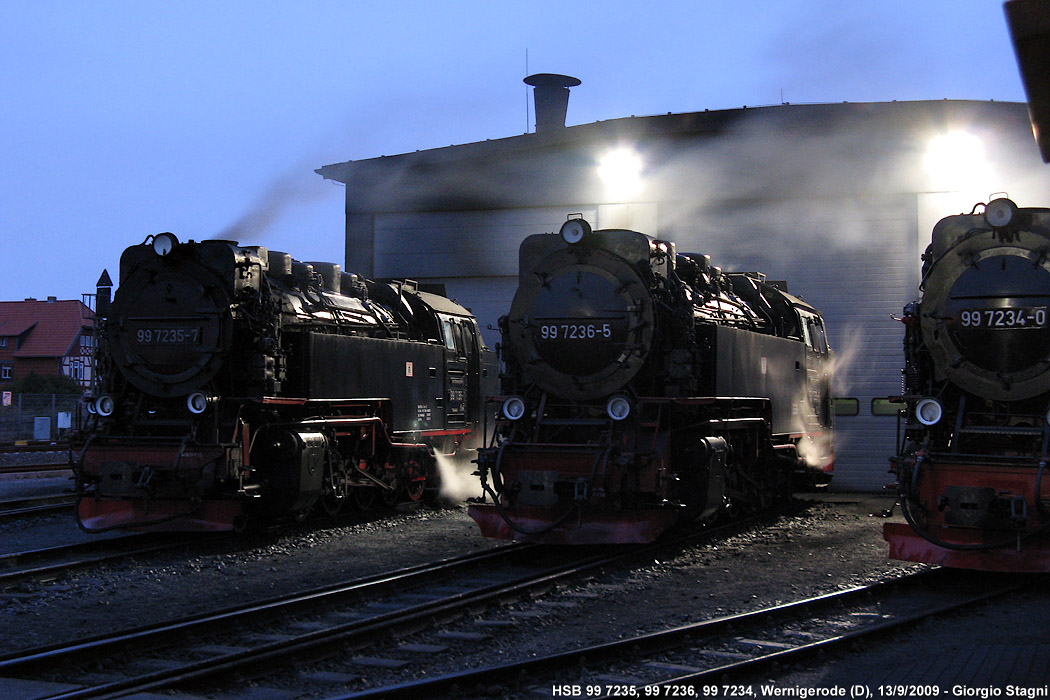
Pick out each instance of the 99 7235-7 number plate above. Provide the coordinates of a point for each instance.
(167, 336)
(1021, 317)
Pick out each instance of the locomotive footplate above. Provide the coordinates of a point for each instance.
(561, 494)
(626, 527)
(97, 515)
(144, 484)
(907, 545)
(966, 523)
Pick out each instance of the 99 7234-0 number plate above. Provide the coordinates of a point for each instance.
(1021, 317)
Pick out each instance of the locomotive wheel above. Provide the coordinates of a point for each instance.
(332, 504)
(392, 497)
(364, 498)
(415, 488)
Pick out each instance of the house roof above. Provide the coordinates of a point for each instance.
(50, 328)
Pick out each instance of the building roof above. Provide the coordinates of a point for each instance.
(50, 328)
(503, 172)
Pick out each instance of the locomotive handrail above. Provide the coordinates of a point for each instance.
(1004, 430)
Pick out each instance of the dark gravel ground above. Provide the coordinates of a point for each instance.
(831, 542)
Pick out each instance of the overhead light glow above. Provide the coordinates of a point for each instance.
(621, 171)
(956, 161)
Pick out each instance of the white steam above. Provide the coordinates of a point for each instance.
(458, 482)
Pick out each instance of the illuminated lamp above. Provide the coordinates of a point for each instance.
(164, 243)
(618, 407)
(574, 230)
(197, 402)
(105, 405)
(929, 411)
(1000, 212)
(514, 408)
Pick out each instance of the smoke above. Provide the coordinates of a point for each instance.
(457, 480)
(297, 187)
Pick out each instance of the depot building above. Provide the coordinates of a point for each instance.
(836, 200)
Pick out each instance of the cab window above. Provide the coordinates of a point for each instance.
(448, 331)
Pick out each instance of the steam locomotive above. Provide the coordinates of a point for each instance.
(240, 385)
(643, 389)
(971, 464)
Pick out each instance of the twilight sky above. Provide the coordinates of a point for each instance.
(124, 119)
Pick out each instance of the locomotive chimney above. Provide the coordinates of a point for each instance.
(550, 93)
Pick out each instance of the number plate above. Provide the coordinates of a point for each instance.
(995, 319)
(575, 331)
(155, 335)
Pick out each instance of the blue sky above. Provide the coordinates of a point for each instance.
(123, 119)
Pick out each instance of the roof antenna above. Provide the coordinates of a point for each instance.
(527, 115)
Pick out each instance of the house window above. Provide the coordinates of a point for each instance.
(5, 372)
(3, 341)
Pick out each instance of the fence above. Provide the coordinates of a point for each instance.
(37, 416)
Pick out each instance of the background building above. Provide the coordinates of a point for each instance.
(837, 199)
(46, 337)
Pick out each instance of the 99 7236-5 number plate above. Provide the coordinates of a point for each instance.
(993, 319)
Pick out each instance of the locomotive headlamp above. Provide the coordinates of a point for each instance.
(1000, 212)
(929, 411)
(163, 243)
(574, 230)
(513, 408)
(618, 407)
(197, 402)
(105, 405)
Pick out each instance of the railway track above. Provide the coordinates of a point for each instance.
(48, 563)
(35, 467)
(720, 657)
(10, 447)
(36, 505)
(202, 652)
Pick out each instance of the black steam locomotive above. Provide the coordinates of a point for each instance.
(644, 388)
(970, 469)
(238, 384)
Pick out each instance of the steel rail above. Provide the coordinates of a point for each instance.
(35, 505)
(362, 632)
(36, 467)
(83, 555)
(655, 642)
